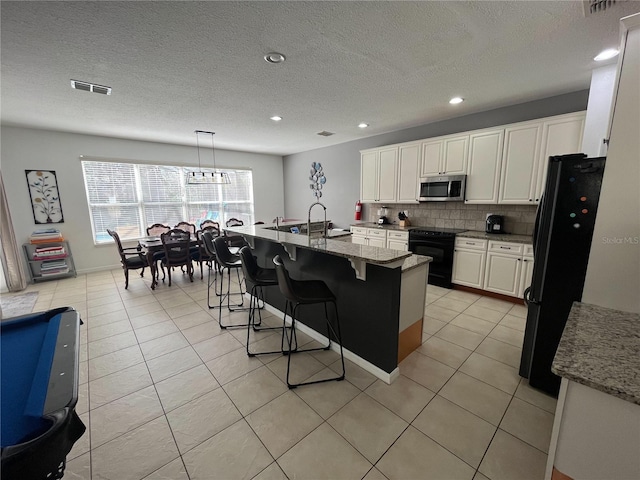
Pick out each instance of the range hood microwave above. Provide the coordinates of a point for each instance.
(442, 188)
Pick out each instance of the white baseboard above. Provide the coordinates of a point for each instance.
(361, 362)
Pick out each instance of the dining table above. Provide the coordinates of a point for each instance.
(153, 245)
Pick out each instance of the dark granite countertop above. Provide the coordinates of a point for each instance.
(600, 348)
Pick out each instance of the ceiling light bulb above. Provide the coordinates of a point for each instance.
(456, 100)
(606, 54)
(274, 57)
(276, 118)
(363, 125)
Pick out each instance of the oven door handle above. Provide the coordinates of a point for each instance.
(449, 187)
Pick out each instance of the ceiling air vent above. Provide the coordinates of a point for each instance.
(90, 87)
(324, 133)
(591, 7)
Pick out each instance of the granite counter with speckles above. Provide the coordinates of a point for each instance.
(373, 255)
(600, 348)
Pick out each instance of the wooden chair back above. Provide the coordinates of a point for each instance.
(157, 229)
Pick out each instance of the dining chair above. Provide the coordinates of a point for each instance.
(234, 222)
(177, 253)
(131, 258)
(187, 227)
(156, 230)
(210, 223)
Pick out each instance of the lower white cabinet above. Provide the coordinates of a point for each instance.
(372, 237)
(469, 261)
(398, 240)
(500, 267)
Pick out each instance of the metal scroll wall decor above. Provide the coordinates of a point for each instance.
(45, 198)
(317, 179)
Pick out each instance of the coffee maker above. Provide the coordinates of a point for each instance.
(495, 223)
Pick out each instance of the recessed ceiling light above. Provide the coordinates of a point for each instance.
(606, 54)
(456, 100)
(274, 57)
(276, 118)
(363, 125)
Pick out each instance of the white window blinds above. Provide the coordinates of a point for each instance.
(129, 197)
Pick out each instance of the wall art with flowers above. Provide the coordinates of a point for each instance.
(45, 199)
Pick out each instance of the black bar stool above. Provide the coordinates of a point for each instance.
(306, 292)
(228, 261)
(207, 238)
(259, 277)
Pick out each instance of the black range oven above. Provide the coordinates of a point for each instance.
(437, 243)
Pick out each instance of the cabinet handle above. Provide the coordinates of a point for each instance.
(525, 260)
(531, 199)
(505, 248)
(518, 259)
(537, 199)
(470, 243)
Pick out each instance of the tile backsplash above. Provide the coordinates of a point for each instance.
(519, 219)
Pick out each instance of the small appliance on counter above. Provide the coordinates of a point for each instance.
(404, 220)
(495, 223)
(383, 212)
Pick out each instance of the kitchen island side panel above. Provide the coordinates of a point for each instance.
(369, 310)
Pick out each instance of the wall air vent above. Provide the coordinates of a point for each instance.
(90, 87)
(324, 133)
(591, 7)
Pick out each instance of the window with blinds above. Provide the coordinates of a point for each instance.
(129, 197)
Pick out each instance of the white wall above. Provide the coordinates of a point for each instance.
(613, 273)
(28, 149)
(596, 124)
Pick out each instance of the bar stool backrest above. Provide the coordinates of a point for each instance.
(207, 238)
(223, 254)
(249, 265)
(284, 281)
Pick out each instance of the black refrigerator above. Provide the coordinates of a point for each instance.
(561, 243)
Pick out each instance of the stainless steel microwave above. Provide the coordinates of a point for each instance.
(443, 188)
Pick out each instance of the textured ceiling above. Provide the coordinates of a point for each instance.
(180, 66)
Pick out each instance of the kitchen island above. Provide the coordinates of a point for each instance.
(596, 430)
(380, 293)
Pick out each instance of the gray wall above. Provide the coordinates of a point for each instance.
(25, 148)
(342, 162)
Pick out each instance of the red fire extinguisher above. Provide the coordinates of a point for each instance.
(358, 210)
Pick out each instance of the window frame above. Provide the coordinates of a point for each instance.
(101, 238)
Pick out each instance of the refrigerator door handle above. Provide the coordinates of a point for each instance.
(527, 297)
(536, 225)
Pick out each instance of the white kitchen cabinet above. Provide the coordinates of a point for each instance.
(526, 275)
(483, 170)
(520, 161)
(445, 156)
(408, 160)
(378, 175)
(398, 240)
(503, 269)
(372, 237)
(469, 260)
(560, 135)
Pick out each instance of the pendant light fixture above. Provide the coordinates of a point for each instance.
(207, 178)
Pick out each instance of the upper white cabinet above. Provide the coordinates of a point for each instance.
(561, 135)
(483, 171)
(408, 160)
(520, 161)
(378, 179)
(506, 164)
(445, 156)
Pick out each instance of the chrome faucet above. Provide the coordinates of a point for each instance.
(324, 229)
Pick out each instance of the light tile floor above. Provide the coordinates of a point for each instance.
(166, 394)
